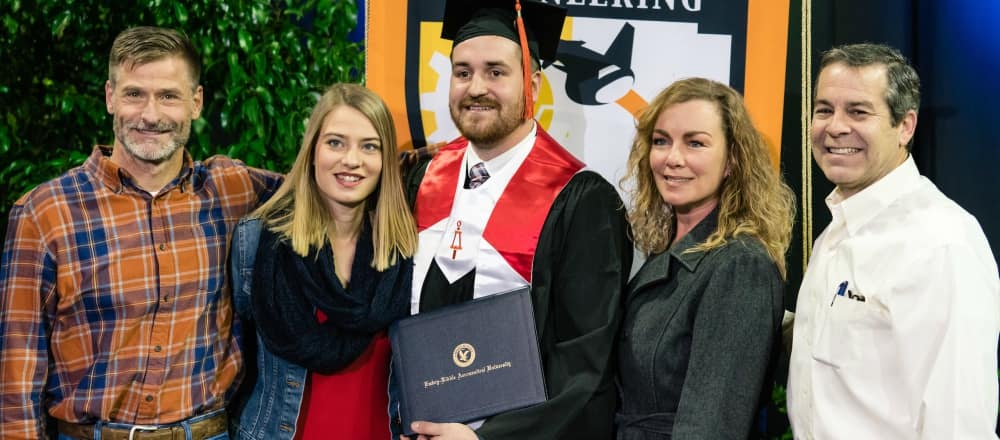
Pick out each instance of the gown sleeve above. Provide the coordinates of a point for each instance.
(580, 270)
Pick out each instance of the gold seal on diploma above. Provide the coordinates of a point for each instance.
(463, 355)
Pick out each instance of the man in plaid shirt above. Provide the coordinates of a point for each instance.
(115, 312)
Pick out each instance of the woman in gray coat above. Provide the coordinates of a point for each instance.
(704, 311)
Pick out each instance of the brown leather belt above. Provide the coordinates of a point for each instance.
(200, 430)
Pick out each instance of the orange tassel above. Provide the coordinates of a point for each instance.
(529, 101)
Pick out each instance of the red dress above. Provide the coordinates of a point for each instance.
(351, 403)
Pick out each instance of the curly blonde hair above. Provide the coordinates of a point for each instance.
(754, 200)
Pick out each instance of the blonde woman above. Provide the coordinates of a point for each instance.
(703, 313)
(320, 271)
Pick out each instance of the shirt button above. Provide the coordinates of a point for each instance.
(163, 247)
(149, 397)
(157, 349)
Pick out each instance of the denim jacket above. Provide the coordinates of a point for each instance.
(271, 411)
(271, 396)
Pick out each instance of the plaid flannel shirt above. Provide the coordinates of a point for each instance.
(114, 304)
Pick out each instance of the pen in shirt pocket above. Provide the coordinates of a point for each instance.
(840, 292)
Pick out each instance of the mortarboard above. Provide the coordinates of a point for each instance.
(535, 26)
(465, 19)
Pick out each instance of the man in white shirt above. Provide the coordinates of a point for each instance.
(898, 315)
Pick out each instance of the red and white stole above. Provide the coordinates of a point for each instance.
(493, 228)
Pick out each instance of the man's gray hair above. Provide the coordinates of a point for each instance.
(902, 91)
(145, 44)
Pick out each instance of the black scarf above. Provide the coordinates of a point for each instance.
(288, 289)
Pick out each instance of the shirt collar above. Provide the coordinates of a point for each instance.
(117, 178)
(657, 266)
(859, 209)
(696, 236)
(497, 163)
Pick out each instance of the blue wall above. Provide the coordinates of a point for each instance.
(957, 54)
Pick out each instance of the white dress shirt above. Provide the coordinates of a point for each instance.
(498, 163)
(897, 320)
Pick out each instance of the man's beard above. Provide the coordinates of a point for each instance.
(152, 151)
(487, 132)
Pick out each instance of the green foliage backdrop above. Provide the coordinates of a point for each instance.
(265, 65)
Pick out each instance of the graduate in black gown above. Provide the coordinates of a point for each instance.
(506, 206)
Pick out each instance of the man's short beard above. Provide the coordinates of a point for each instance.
(509, 119)
(180, 134)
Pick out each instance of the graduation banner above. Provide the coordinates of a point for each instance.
(613, 58)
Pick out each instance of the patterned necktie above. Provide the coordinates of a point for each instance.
(478, 175)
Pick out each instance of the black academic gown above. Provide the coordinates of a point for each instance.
(580, 270)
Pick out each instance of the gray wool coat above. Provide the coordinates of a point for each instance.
(701, 333)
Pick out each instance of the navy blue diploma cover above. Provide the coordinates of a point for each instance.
(468, 361)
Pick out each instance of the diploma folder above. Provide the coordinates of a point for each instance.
(467, 361)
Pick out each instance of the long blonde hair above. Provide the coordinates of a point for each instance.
(754, 200)
(297, 212)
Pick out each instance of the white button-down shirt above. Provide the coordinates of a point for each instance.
(897, 320)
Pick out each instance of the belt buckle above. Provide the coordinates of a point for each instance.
(140, 428)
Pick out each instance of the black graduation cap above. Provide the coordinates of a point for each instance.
(465, 19)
